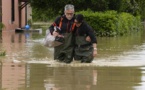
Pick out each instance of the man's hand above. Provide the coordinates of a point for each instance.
(88, 39)
(55, 33)
(94, 53)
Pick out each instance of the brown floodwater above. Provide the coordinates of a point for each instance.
(28, 65)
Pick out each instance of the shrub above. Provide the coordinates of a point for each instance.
(111, 23)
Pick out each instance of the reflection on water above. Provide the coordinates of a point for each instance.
(117, 45)
(28, 65)
(24, 47)
(113, 51)
(122, 51)
(12, 76)
(18, 76)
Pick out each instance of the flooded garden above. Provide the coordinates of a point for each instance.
(29, 65)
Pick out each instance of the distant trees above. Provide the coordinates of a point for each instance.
(46, 9)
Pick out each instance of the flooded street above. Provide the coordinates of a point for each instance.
(28, 65)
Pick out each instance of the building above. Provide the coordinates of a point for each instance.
(14, 13)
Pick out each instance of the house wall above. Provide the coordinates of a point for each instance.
(29, 12)
(0, 10)
(23, 17)
(6, 15)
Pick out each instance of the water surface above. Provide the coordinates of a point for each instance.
(28, 65)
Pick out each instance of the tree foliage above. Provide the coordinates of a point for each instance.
(46, 9)
(111, 23)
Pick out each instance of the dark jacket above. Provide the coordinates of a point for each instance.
(66, 24)
(86, 30)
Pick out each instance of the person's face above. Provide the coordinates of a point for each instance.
(69, 14)
(77, 23)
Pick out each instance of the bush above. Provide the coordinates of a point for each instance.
(111, 23)
(127, 23)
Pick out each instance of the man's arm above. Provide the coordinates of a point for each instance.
(93, 40)
(55, 23)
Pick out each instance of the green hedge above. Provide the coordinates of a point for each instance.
(111, 23)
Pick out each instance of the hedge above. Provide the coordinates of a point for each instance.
(111, 23)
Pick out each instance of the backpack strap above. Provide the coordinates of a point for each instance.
(60, 23)
(73, 27)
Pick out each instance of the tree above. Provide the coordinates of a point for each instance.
(141, 4)
(46, 9)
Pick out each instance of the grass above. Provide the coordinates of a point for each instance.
(3, 53)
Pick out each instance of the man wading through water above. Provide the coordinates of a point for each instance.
(84, 51)
(65, 26)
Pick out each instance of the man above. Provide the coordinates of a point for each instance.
(65, 25)
(84, 50)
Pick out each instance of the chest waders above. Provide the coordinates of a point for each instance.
(64, 52)
(83, 51)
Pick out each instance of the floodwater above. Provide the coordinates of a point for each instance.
(28, 65)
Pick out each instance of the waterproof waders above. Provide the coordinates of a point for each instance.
(64, 52)
(83, 50)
